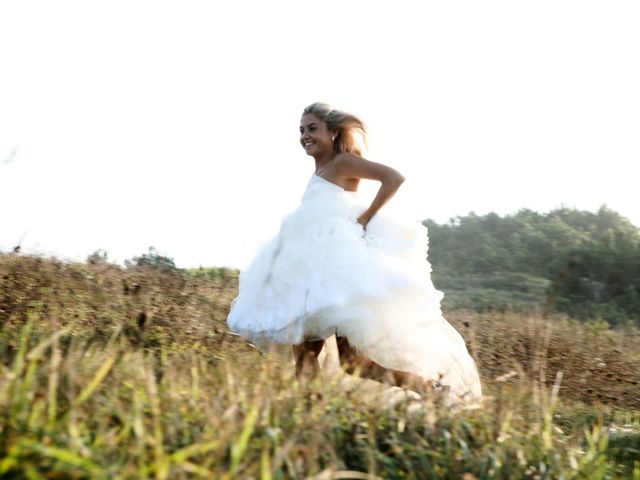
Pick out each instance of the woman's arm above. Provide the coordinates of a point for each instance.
(348, 167)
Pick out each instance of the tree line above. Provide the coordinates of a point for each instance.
(591, 260)
(582, 263)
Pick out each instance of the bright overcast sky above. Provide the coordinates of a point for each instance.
(126, 124)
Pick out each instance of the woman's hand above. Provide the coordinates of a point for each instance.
(348, 166)
(364, 220)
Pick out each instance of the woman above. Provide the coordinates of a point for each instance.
(342, 267)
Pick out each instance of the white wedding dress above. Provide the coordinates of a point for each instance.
(322, 274)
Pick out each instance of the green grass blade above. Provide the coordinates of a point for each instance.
(102, 372)
(239, 448)
(192, 450)
(62, 455)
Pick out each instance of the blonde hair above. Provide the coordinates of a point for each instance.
(349, 127)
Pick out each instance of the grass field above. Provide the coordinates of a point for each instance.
(497, 291)
(129, 373)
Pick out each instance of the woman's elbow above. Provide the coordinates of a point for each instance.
(393, 179)
(393, 183)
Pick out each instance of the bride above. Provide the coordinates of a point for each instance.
(344, 267)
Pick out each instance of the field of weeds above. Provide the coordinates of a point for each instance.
(130, 373)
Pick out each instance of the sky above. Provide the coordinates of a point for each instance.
(129, 124)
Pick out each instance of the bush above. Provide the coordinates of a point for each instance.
(152, 259)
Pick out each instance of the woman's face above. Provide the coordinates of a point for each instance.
(315, 138)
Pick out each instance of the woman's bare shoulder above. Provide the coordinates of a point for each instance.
(345, 161)
(351, 165)
(347, 157)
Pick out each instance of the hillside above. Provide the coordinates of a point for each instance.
(581, 263)
(109, 372)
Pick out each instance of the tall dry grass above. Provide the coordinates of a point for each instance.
(111, 373)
